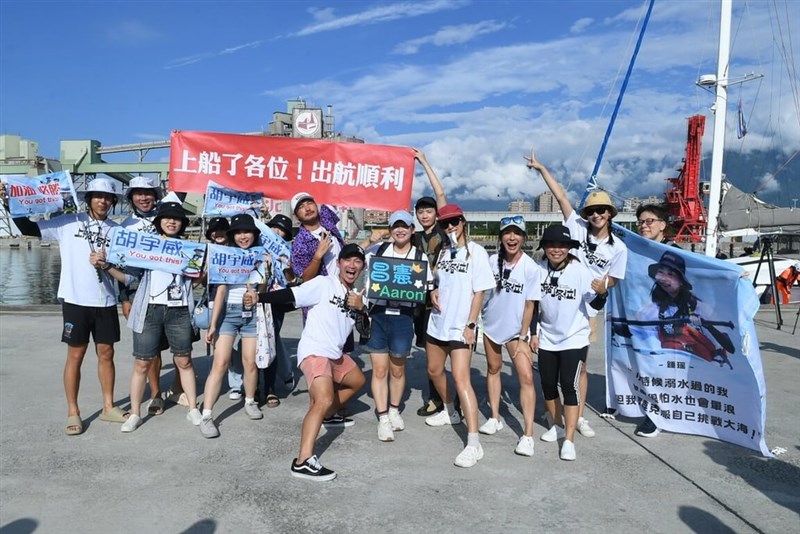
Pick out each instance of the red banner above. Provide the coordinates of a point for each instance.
(345, 174)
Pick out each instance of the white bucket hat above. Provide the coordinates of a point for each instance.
(143, 182)
(102, 185)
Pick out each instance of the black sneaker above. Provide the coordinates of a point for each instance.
(338, 421)
(647, 428)
(312, 470)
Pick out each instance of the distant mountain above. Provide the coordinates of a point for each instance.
(748, 172)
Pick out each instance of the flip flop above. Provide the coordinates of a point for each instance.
(273, 401)
(74, 425)
(156, 406)
(115, 415)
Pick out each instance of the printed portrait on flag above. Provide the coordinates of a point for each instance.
(681, 344)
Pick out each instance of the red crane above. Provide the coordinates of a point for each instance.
(683, 200)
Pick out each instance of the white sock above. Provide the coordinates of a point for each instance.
(206, 414)
(473, 440)
(249, 400)
(449, 408)
(383, 418)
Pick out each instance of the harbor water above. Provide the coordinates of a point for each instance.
(29, 276)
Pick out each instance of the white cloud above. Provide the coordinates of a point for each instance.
(581, 24)
(325, 20)
(196, 58)
(450, 35)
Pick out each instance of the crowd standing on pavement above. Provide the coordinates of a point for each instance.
(540, 311)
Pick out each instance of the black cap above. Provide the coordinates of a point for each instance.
(425, 202)
(217, 224)
(173, 210)
(350, 250)
(243, 223)
(283, 223)
(557, 233)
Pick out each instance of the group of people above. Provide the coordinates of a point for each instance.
(538, 310)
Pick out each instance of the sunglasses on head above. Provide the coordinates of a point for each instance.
(516, 219)
(599, 210)
(453, 221)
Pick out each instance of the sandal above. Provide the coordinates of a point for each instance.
(156, 406)
(74, 425)
(273, 401)
(115, 415)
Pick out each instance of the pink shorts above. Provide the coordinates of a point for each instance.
(314, 366)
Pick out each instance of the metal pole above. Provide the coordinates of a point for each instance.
(720, 116)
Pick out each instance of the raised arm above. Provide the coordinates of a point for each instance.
(438, 190)
(555, 187)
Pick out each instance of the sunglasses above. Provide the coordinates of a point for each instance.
(599, 210)
(591, 246)
(647, 222)
(554, 281)
(446, 223)
(516, 219)
(506, 273)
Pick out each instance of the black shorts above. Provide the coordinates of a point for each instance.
(449, 345)
(81, 321)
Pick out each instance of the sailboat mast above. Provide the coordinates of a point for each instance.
(720, 116)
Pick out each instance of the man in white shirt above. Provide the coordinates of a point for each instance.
(332, 376)
(87, 293)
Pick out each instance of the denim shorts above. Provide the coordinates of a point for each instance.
(391, 334)
(232, 322)
(162, 320)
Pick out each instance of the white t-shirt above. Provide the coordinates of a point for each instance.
(564, 309)
(79, 283)
(329, 260)
(167, 289)
(607, 258)
(503, 309)
(329, 321)
(391, 253)
(459, 279)
(143, 225)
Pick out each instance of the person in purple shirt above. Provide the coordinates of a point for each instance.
(318, 241)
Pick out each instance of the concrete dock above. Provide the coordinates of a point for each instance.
(166, 478)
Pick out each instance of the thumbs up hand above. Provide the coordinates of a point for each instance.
(355, 299)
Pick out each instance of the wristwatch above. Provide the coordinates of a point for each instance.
(471, 326)
(526, 338)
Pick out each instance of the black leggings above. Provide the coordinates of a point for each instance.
(563, 366)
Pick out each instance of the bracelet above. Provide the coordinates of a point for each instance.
(107, 267)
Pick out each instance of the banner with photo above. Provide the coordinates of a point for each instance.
(143, 250)
(232, 265)
(280, 252)
(397, 279)
(223, 201)
(348, 174)
(681, 345)
(40, 195)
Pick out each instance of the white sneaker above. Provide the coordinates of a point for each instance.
(194, 417)
(252, 410)
(568, 450)
(555, 433)
(491, 426)
(469, 456)
(396, 419)
(385, 430)
(235, 394)
(443, 418)
(584, 428)
(524, 446)
(132, 423)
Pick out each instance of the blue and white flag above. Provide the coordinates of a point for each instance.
(40, 195)
(143, 250)
(233, 265)
(280, 251)
(226, 202)
(681, 345)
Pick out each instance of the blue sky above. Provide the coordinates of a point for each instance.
(475, 84)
